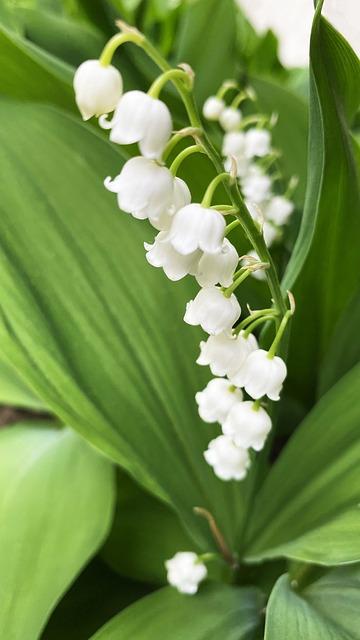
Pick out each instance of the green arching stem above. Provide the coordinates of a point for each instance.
(195, 148)
(225, 87)
(254, 316)
(209, 193)
(235, 284)
(250, 229)
(256, 405)
(171, 74)
(256, 323)
(238, 99)
(231, 226)
(116, 41)
(279, 334)
(177, 137)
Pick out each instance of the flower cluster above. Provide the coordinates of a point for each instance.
(191, 239)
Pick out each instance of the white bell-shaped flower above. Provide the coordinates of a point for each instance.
(247, 425)
(226, 353)
(213, 108)
(212, 311)
(257, 143)
(279, 210)
(140, 118)
(264, 376)
(196, 227)
(229, 461)
(230, 119)
(242, 165)
(98, 88)
(185, 571)
(270, 233)
(162, 254)
(215, 401)
(256, 185)
(219, 267)
(147, 190)
(234, 144)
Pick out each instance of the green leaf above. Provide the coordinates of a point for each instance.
(324, 269)
(28, 73)
(344, 349)
(148, 530)
(217, 611)
(207, 41)
(328, 609)
(95, 330)
(308, 507)
(13, 391)
(56, 502)
(96, 596)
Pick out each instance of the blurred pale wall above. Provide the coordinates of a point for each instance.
(291, 20)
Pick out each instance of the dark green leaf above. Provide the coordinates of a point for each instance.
(13, 391)
(217, 611)
(308, 507)
(56, 503)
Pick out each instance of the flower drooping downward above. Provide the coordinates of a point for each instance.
(98, 88)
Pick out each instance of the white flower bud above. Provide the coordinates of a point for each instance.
(247, 425)
(196, 227)
(279, 210)
(226, 354)
(230, 119)
(242, 165)
(185, 571)
(264, 376)
(256, 185)
(257, 143)
(213, 108)
(234, 144)
(212, 311)
(147, 190)
(270, 233)
(229, 461)
(162, 254)
(140, 118)
(98, 88)
(215, 401)
(219, 267)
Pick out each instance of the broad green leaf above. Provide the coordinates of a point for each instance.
(207, 41)
(13, 391)
(95, 597)
(323, 272)
(217, 611)
(328, 609)
(95, 330)
(148, 530)
(344, 349)
(308, 507)
(56, 497)
(28, 73)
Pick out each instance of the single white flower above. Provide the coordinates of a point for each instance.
(98, 88)
(229, 461)
(234, 144)
(162, 254)
(140, 118)
(219, 267)
(213, 108)
(196, 227)
(258, 274)
(264, 376)
(212, 310)
(247, 425)
(279, 210)
(270, 233)
(256, 185)
(255, 211)
(226, 353)
(242, 165)
(147, 190)
(185, 571)
(257, 143)
(215, 401)
(230, 119)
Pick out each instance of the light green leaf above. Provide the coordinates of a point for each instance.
(95, 330)
(56, 497)
(308, 507)
(328, 609)
(13, 391)
(324, 269)
(217, 611)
